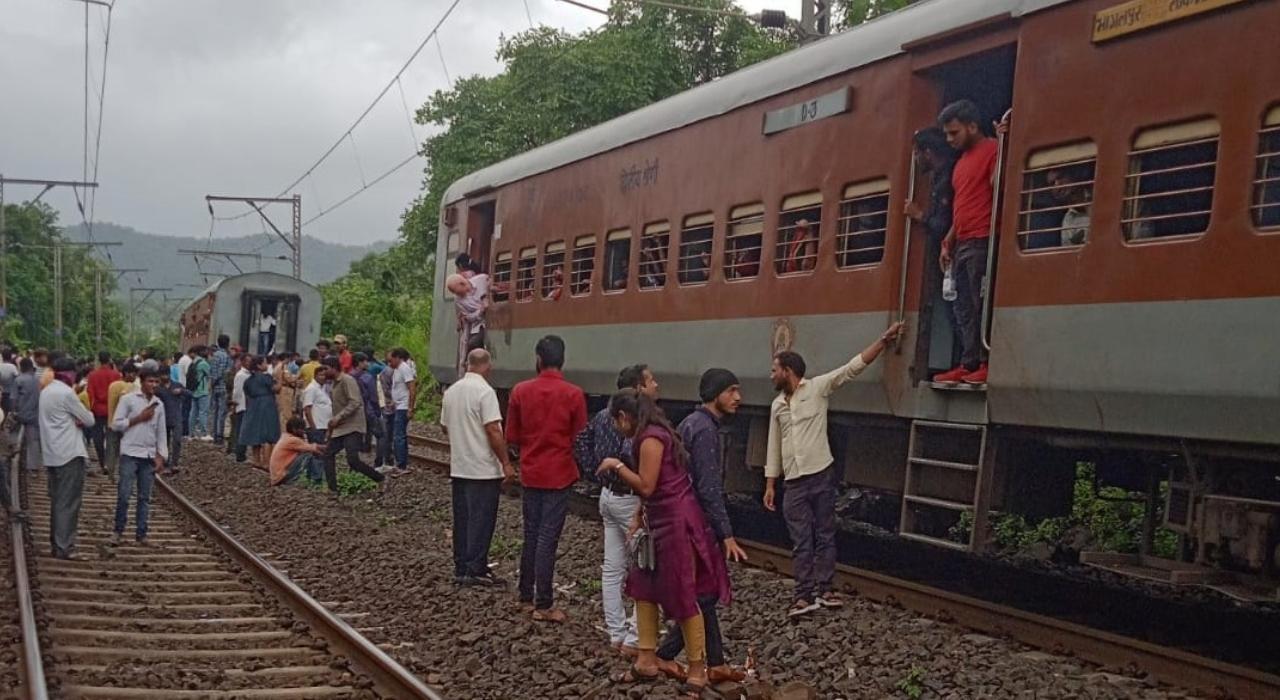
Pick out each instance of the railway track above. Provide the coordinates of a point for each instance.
(1172, 666)
(177, 619)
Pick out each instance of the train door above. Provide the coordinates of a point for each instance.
(481, 227)
(268, 322)
(984, 77)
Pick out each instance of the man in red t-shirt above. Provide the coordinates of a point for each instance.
(99, 382)
(965, 245)
(544, 415)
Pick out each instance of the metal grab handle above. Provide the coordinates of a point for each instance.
(906, 250)
(996, 188)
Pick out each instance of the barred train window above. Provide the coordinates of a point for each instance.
(553, 271)
(1169, 188)
(617, 260)
(583, 266)
(864, 216)
(502, 276)
(655, 243)
(694, 263)
(1266, 185)
(742, 242)
(1057, 194)
(526, 270)
(799, 228)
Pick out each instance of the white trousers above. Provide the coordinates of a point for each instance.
(616, 512)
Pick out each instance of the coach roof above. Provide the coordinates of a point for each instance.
(859, 46)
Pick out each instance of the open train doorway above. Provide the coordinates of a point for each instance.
(986, 79)
(481, 230)
(269, 323)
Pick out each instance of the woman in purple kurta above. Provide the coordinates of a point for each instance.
(690, 564)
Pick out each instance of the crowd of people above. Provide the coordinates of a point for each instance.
(280, 413)
(667, 533)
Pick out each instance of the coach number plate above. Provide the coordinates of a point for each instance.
(821, 107)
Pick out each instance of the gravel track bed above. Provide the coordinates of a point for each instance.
(87, 637)
(387, 554)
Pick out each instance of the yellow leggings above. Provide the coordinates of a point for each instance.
(695, 634)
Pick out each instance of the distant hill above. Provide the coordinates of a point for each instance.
(321, 261)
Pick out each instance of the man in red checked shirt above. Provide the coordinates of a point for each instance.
(544, 415)
(965, 245)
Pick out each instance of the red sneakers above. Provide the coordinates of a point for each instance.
(978, 376)
(952, 377)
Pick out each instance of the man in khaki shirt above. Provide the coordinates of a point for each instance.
(798, 451)
(347, 426)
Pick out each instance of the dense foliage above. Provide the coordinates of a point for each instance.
(32, 230)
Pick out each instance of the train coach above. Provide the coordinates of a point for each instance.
(1147, 346)
(236, 306)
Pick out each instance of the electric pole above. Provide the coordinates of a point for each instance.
(97, 288)
(4, 238)
(57, 279)
(294, 241)
(133, 309)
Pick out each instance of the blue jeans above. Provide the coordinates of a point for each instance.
(400, 443)
(142, 470)
(200, 415)
(218, 411)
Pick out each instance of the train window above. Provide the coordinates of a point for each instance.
(526, 271)
(1266, 186)
(617, 260)
(1169, 188)
(695, 249)
(553, 271)
(1057, 193)
(655, 242)
(502, 276)
(799, 226)
(583, 266)
(864, 216)
(742, 242)
(453, 246)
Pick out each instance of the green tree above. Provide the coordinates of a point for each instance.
(32, 230)
(851, 13)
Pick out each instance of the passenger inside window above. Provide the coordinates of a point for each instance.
(584, 263)
(695, 255)
(863, 223)
(653, 259)
(525, 278)
(742, 245)
(617, 261)
(1069, 192)
(798, 241)
(553, 271)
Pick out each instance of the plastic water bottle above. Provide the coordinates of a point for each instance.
(948, 286)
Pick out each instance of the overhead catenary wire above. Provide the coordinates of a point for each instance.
(378, 98)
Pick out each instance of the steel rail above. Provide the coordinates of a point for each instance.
(389, 677)
(1172, 666)
(32, 661)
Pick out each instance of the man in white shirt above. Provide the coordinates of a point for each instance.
(471, 306)
(317, 409)
(62, 422)
(144, 448)
(239, 404)
(266, 333)
(478, 465)
(798, 450)
(404, 393)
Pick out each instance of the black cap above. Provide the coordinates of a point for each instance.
(714, 381)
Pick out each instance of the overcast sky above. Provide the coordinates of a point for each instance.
(239, 97)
